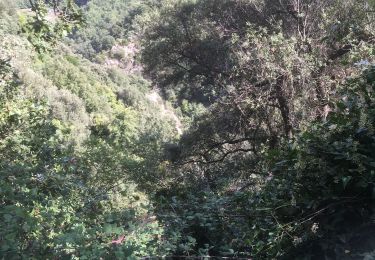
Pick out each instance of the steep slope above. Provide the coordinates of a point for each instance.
(73, 149)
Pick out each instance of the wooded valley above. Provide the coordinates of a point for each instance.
(187, 129)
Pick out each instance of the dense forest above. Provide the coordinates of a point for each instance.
(187, 129)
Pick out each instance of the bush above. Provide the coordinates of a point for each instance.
(313, 198)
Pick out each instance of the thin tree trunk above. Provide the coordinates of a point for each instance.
(283, 106)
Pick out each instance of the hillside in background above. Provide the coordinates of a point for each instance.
(192, 129)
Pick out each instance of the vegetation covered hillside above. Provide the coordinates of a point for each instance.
(187, 129)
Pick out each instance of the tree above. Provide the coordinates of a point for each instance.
(43, 33)
(267, 71)
(275, 64)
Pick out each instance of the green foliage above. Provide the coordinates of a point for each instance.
(41, 31)
(258, 166)
(324, 183)
(71, 151)
(8, 23)
(312, 198)
(51, 203)
(259, 56)
(275, 100)
(106, 22)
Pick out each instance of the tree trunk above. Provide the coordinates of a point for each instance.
(283, 106)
